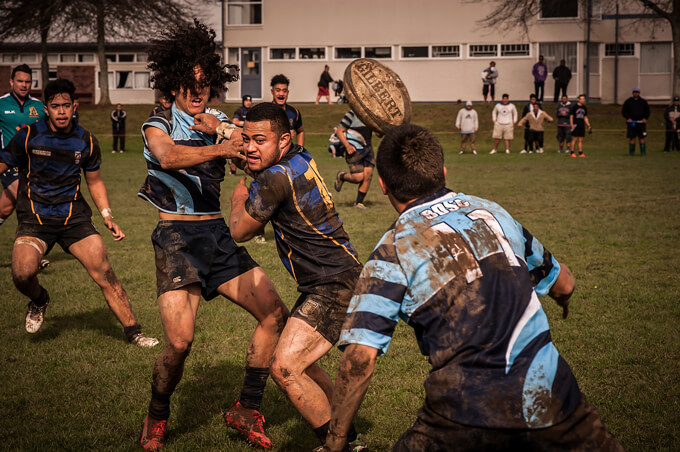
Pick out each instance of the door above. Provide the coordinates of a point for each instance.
(251, 72)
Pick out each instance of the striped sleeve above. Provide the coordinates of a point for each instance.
(543, 267)
(374, 309)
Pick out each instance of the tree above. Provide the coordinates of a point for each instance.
(132, 20)
(520, 13)
(18, 18)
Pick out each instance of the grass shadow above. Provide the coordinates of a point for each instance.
(100, 319)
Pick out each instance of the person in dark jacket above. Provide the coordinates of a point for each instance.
(118, 128)
(636, 111)
(672, 115)
(562, 76)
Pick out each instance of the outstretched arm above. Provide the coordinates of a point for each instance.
(354, 375)
(97, 189)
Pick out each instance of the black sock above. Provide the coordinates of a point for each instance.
(159, 407)
(253, 387)
(322, 431)
(131, 331)
(42, 299)
(360, 197)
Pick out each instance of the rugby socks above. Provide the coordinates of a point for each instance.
(253, 387)
(42, 299)
(360, 197)
(159, 407)
(322, 431)
(643, 148)
(631, 149)
(132, 331)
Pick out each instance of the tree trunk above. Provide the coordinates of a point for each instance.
(104, 98)
(44, 64)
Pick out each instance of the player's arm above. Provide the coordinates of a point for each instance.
(354, 375)
(585, 118)
(340, 132)
(176, 156)
(563, 288)
(300, 136)
(237, 121)
(550, 118)
(95, 184)
(243, 227)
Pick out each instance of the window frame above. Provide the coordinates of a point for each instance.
(471, 56)
(244, 3)
(614, 55)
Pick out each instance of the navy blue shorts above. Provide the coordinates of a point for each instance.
(362, 158)
(204, 252)
(9, 176)
(65, 235)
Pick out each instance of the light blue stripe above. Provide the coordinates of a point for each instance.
(183, 199)
(387, 271)
(366, 337)
(375, 304)
(535, 326)
(537, 391)
(543, 287)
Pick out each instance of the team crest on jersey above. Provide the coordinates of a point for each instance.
(78, 155)
(33, 112)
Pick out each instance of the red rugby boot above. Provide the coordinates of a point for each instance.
(249, 422)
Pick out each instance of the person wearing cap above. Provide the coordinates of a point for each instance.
(240, 114)
(672, 115)
(468, 124)
(636, 111)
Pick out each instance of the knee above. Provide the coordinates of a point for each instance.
(282, 371)
(179, 347)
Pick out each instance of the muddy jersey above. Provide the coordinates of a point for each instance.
(466, 276)
(189, 191)
(50, 165)
(294, 117)
(579, 112)
(310, 238)
(563, 112)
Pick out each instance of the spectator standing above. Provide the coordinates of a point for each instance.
(562, 76)
(671, 115)
(504, 116)
(489, 76)
(578, 120)
(540, 73)
(535, 120)
(528, 108)
(118, 117)
(468, 124)
(563, 112)
(324, 82)
(636, 111)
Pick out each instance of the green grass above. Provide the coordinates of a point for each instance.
(614, 220)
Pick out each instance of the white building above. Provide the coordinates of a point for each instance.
(438, 47)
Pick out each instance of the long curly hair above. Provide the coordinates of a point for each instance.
(174, 56)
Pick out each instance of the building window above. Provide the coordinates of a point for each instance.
(483, 50)
(111, 57)
(244, 12)
(142, 80)
(10, 58)
(312, 53)
(52, 74)
(35, 79)
(126, 57)
(624, 49)
(594, 60)
(559, 9)
(141, 57)
(445, 51)
(378, 52)
(52, 57)
(655, 58)
(287, 53)
(28, 58)
(553, 52)
(347, 53)
(414, 52)
(123, 80)
(67, 58)
(510, 50)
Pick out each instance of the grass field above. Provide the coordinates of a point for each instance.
(614, 220)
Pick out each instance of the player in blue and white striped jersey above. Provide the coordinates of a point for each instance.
(467, 277)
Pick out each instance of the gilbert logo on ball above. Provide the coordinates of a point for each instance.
(377, 95)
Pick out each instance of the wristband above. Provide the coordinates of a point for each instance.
(106, 213)
(225, 129)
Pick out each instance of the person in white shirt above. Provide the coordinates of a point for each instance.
(468, 124)
(504, 116)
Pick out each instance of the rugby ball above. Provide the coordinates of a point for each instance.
(377, 95)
